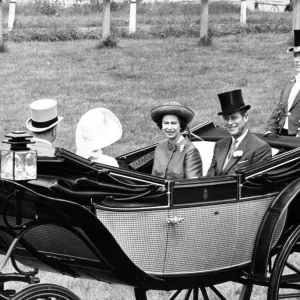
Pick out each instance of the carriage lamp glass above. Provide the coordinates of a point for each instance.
(19, 162)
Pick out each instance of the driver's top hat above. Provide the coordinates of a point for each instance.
(232, 102)
(296, 47)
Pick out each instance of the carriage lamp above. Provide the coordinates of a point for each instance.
(19, 162)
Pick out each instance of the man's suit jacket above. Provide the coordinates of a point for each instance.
(251, 148)
(278, 116)
(43, 148)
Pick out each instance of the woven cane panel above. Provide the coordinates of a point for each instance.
(55, 239)
(141, 235)
(204, 241)
(250, 217)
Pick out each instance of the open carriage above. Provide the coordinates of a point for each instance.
(125, 226)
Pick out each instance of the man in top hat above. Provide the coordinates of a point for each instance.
(43, 124)
(285, 118)
(242, 148)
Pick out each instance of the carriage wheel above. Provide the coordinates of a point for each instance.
(285, 277)
(45, 292)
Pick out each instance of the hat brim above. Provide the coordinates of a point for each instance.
(36, 129)
(158, 112)
(293, 49)
(245, 107)
(112, 134)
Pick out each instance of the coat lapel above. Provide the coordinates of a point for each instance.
(224, 148)
(297, 99)
(286, 95)
(243, 146)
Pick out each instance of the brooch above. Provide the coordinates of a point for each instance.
(238, 153)
(181, 148)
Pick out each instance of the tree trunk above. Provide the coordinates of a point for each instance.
(106, 20)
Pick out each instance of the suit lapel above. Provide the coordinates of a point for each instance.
(286, 95)
(297, 99)
(224, 150)
(243, 146)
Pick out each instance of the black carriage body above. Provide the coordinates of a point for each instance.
(125, 226)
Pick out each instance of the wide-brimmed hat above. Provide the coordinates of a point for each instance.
(232, 102)
(172, 108)
(43, 115)
(97, 129)
(296, 47)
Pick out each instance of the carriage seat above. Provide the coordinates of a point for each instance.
(206, 150)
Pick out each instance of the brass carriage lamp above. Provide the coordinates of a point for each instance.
(19, 162)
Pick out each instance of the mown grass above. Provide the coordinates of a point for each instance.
(44, 21)
(130, 80)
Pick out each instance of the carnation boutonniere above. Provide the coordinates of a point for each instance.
(181, 147)
(238, 153)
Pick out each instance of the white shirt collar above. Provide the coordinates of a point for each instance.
(41, 141)
(297, 77)
(239, 139)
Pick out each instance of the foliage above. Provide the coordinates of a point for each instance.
(45, 21)
(3, 48)
(109, 42)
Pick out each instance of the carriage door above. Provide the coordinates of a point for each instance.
(202, 226)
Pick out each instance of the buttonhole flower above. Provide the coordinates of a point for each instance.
(238, 153)
(181, 148)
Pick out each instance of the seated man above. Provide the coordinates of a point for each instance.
(43, 124)
(243, 148)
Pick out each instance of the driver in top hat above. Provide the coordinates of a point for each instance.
(285, 118)
(242, 148)
(43, 124)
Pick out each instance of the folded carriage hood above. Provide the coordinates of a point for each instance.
(109, 260)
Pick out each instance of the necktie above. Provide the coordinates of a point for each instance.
(230, 152)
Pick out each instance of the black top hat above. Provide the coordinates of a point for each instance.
(296, 47)
(232, 102)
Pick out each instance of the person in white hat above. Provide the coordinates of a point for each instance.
(43, 124)
(97, 129)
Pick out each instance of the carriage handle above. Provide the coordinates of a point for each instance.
(175, 220)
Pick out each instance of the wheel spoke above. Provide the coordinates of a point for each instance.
(204, 293)
(175, 295)
(293, 267)
(288, 296)
(289, 278)
(213, 288)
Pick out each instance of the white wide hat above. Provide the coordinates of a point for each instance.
(97, 129)
(43, 115)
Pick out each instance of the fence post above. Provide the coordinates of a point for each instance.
(1, 33)
(243, 18)
(296, 14)
(106, 20)
(204, 20)
(11, 14)
(132, 17)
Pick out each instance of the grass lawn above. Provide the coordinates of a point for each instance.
(131, 80)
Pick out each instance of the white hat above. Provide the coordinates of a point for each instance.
(43, 115)
(97, 129)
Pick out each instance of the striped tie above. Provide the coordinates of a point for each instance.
(230, 152)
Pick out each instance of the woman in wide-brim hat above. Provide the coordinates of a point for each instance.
(176, 157)
(97, 129)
